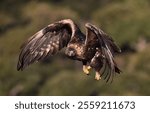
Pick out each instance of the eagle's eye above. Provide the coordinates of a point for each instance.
(70, 52)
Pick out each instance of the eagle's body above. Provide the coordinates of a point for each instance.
(95, 49)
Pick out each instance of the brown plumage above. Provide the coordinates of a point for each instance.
(95, 49)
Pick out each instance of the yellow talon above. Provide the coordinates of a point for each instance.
(97, 76)
(86, 69)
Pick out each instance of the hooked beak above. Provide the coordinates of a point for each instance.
(70, 52)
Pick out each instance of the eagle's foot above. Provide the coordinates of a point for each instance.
(86, 69)
(97, 75)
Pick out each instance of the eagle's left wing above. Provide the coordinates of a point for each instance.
(105, 45)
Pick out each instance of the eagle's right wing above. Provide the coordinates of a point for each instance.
(47, 41)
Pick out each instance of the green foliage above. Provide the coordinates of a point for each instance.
(124, 20)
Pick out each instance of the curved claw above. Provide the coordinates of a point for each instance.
(86, 69)
(97, 75)
(89, 67)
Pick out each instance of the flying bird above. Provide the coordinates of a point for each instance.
(95, 49)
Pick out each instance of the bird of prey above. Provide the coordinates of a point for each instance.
(95, 49)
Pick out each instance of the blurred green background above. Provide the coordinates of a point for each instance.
(127, 21)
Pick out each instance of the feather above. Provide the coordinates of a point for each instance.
(107, 47)
(47, 41)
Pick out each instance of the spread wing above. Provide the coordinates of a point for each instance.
(47, 41)
(106, 46)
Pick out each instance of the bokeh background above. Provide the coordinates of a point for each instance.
(127, 21)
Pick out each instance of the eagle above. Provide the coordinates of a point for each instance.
(95, 49)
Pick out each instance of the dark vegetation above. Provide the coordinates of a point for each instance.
(127, 21)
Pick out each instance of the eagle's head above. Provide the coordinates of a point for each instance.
(70, 52)
(75, 51)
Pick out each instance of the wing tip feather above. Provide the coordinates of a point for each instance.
(19, 67)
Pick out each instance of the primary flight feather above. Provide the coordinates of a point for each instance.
(95, 49)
